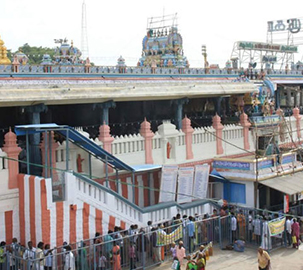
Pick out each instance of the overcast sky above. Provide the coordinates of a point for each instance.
(117, 28)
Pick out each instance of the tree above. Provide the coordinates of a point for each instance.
(35, 54)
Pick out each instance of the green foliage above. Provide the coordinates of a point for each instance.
(35, 54)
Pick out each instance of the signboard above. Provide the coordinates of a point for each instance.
(292, 25)
(168, 183)
(269, 59)
(201, 181)
(265, 164)
(288, 159)
(249, 45)
(185, 184)
(276, 226)
(233, 165)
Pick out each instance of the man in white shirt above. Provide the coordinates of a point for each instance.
(288, 230)
(30, 253)
(233, 225)
(69, 259)
(40, 256)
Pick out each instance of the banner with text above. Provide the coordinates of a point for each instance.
(168, 183)
(201, 181)
(276, 226)
(185, 184)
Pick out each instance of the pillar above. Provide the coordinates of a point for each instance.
(288, 99)
(280, 112)
(12, 150)
(148, 135)
(217, 103)
(277, 98)
(34, 139)
(245, 124)
(188, 131)
(218, 127)
(179, 111)
(107, 140)
(51, 145)
(105, 108)
(301, 96)
(296, 114)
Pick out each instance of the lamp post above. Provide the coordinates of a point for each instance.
(204, 54)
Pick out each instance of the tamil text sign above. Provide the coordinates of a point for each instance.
(249, 45)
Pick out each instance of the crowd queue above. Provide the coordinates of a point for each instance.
(135, 247)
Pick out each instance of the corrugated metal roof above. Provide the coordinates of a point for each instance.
(288, 184)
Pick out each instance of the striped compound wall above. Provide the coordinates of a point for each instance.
(55, 222)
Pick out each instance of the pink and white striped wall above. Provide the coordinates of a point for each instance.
(42, 220)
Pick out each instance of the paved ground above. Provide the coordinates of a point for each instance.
(281, 259)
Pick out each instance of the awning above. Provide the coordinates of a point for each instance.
(289, 184)
(218, 177)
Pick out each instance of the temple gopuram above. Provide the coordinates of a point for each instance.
(163, 44)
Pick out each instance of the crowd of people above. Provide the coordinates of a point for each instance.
(176, 239)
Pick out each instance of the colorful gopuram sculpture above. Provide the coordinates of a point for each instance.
(162, 47)
(67, 54)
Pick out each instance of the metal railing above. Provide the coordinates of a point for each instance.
(150, 246)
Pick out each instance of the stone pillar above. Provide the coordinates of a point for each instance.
(105, 108)
(148, 135)
(217, 102)
(245, 124)
(51, 145)
(296, 114)
(12, 150)
(34, 139)
(301, 96)
(179, 111)
(277, 98)
(107, 140)
(188, 130)
(218, 127)
(288, 99)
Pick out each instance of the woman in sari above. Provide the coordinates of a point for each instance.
(295, 232)
(116, 257)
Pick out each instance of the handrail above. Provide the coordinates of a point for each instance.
(147, 209)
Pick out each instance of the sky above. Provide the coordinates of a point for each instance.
(117, 27)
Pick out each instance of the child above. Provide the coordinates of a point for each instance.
(173, 250)
(102, 261)
(176, 264)
(191, 264)
(132, 256)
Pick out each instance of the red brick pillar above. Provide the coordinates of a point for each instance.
(107, 140)
(245, 124)
(188, 130)
(12, 150)
(296, 114)
(54, 147)
(218, 127)
(148, 135)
